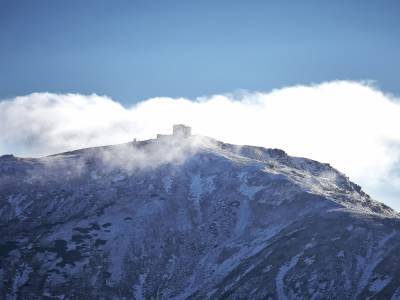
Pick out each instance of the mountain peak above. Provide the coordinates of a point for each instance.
(217, 220)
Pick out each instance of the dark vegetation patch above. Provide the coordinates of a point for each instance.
(55, 271)
(94, 226)
(235, 203)
(100, 242)
(100, 211)
(83, 230)
(60, 248)
(80, 238)
(86, 230)
(7, 247)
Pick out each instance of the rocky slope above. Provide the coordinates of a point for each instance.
(191, 218)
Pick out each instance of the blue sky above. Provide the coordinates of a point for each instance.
(134, 50)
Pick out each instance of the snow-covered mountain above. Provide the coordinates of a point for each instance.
(190, 217)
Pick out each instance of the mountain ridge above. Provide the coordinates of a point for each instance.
(191, 217)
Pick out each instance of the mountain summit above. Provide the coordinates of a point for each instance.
(185, 216)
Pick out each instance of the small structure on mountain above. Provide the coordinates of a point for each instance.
(178, 131)
(181, 130)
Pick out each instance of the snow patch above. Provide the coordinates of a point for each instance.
(118, 178)
(396, 295)
(244, 213)
(20, 279)
(139, 287)
(200, 186)
(379, 283)
(16, 203)
(167, 183)
(280, 277)
(249, 191)
(94, 175)
(309, 260)
(373, 258)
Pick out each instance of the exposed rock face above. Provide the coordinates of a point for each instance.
(192, 219)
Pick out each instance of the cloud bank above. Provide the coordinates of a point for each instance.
(353, 126)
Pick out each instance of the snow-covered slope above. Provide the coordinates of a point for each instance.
(191, 218)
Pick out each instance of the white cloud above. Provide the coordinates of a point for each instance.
(351, 125)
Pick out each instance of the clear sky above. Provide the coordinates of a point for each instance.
(134, 50)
